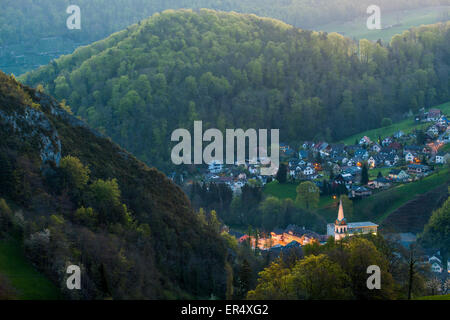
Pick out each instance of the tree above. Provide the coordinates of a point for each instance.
(364, 175)
(272, 283)
(6, 175)
(360, 253)
(386, 122)
(272, 213)
(414, 257)
(319, 278)
(282, 173)
(5, 216)
(75, 174)
(308, 195)
(436, 233)
(245, 277)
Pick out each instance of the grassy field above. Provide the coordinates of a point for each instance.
(357, 29)
(375, 208)
(397, 196)
(281, 191)
(406, 126)
(373, 173)
(29, 283)
(289, 190)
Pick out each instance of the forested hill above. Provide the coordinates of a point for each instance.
(74, 197)
(239, 71)
(29, 20)
(34, 31)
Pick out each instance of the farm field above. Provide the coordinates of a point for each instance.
(400, 21)
(381, 205)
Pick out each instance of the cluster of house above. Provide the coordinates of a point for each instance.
(235, 176)
(394, 151)
(407, 160)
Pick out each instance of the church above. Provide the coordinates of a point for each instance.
(341, 229)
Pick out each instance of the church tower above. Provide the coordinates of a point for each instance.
(340, 225)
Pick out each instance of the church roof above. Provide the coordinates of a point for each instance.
(361, 224)
(340, 217)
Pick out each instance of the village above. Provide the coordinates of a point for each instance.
(402, 157)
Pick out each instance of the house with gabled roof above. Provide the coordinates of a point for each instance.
(433, 114)
(398, 175)
(376, 148)
(387, 141)
(441, 158)
(365, 141)
(418, 169)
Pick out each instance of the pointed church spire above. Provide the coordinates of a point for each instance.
(341, 211)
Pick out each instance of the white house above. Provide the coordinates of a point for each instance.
(436, 264)
(440, 158)
(433, 130)
(308, 171)
(399, 134)
(409, 157)
(215, 167)
(376, 148)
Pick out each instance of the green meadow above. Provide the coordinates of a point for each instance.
(28, 283)
(407, 126)
(400, 22)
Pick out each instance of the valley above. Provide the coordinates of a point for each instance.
(113, 137)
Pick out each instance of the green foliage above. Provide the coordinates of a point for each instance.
(261, 74)
(386, 122)
(282, 173)
(319, 278)
(332, 271)
(20, 278)
(437, 231)
(50, 15)
(308, 195)
(5, 217)
(125, 222)
(75, 175)
(86, 216)
(364, 175)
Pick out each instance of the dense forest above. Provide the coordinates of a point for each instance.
(30, 20)
(240, 71)
(71, 196)
(338, 271)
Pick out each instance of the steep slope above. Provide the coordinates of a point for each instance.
(241, 71)
(80, 199)
(414, 215)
